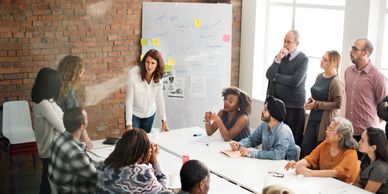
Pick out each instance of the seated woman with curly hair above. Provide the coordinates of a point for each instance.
(233, 119)
(132, 167)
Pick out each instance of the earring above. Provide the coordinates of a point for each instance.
(238, 109)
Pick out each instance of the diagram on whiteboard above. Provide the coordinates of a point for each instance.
(173, 86)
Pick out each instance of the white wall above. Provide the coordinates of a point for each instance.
(361, 20)
(249, 19)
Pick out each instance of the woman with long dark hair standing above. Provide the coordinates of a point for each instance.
(47, 117)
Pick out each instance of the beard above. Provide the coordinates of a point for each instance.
(355, 60)
(265, 119)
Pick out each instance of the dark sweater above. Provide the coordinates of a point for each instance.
(70, 101)
(290, 78)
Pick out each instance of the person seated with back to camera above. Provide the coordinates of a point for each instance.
(276, 189)
(373, 176)
(195, 178)
(335, 157)
(233, 119)
(70, 168)
(132, 167)
(274, 135)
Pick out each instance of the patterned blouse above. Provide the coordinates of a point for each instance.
(136, 178)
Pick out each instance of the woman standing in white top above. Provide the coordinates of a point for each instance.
(144, 93)
(47, 117)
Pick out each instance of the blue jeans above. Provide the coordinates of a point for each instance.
(44, 183)
(143, 123)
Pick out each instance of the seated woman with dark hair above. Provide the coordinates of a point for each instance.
(132, 167)
(233, 119)
(335, 157)
(374, 165)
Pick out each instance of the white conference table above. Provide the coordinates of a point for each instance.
(171, 165)
(249, 173)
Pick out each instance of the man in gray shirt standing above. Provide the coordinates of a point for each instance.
(287, 77)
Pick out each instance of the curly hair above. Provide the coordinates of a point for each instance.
(70, 69)
(133, 147)
(244, 100)
(159, 71)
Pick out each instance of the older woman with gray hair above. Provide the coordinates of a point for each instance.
(335, 157)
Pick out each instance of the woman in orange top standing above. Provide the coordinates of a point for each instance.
(335, 157)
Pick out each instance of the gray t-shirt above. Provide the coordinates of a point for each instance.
(376, 171)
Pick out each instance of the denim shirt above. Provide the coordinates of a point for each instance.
(277, 143)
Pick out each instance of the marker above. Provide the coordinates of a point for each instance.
(197, 134)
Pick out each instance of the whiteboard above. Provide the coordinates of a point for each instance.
(195, 41)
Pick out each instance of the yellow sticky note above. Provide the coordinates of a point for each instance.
(197, 23)
(171, 61)
(155, 41)
(168, 68)
(141, 57)
(143, 42)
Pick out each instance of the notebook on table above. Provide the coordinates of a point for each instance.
(231, 153)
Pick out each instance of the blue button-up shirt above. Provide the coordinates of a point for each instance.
(277, 143)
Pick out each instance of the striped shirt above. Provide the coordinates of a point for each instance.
(364, 90)
(70, 168)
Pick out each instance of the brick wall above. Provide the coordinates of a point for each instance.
(105, 34)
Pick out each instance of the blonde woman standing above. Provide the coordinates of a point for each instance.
(71, 69)
(326, 98)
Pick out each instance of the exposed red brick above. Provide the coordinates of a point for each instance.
(36, 34)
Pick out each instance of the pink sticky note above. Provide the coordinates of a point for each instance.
(226, 38)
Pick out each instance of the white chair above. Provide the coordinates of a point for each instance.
(17, 129)
(297, 152)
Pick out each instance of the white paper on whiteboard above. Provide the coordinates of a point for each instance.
(197, 86)
(177, 88)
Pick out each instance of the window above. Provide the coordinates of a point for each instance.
(320, 24)
(384, 46)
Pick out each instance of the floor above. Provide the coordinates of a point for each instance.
(17, 175)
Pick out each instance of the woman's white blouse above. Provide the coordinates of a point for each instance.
(143, 99)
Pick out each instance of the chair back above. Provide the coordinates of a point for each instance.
(297, 152)
(17, 127)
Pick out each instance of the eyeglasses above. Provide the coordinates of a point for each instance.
(288, 42)
(330, 130)
(355, 49)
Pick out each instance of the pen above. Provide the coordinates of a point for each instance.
(197, 134)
